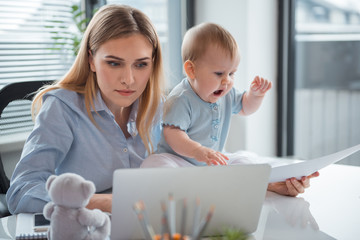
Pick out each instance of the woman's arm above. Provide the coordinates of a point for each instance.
(101, 201)
(180, 142)
(43, 151)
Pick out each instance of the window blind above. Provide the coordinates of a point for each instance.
(35, 44)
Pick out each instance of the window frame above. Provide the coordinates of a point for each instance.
(286, 78)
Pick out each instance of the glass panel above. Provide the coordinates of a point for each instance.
(327, 77)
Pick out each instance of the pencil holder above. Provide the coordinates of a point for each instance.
(168, 221)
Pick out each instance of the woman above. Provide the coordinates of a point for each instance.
(103, 115)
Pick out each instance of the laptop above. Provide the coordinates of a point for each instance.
(236, 191)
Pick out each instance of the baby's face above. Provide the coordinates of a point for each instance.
(214, 74)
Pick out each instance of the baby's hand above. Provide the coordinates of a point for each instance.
(260, 86)
(210, 157)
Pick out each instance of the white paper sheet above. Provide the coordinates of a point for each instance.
(305, 168)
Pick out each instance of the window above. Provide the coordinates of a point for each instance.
(320, 78)
(36, 44)
(28, 46)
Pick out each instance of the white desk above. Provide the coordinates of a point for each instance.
(7, 227)
(331, 205)
(329, 209)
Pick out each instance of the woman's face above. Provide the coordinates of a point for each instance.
(123, 67)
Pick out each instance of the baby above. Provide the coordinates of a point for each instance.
(197, 111)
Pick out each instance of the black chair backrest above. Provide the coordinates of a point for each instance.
(9, 93)
(18, 91)
(4, 180)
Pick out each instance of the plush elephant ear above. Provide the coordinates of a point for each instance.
(88, 189)
(49, 181)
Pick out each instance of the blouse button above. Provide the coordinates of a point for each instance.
(216, 126)
(215, 108)
(125, 150)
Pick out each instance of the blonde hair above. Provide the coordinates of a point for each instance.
(198, 38)
(112, 22)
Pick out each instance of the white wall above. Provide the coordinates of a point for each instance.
(253, 24)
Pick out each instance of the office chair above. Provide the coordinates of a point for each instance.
(8, 94)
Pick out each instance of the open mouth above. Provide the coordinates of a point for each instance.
(218, 92)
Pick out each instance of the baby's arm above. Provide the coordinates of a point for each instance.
(180, 142)
(253, 98)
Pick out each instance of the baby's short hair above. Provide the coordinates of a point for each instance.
(198, 38)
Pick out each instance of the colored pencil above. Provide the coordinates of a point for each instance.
(164, 222)
(183, 219)
(200, 230)
(139, 208)
(196, 215)
(172, 215)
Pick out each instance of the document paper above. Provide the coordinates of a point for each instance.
(305, 168)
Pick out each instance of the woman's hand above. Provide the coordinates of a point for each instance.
(210, 156)
(292, 186)
(101, 201)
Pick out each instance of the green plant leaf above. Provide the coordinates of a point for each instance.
(75, 8)
(68, 40)
(231, 234)
(79, 14)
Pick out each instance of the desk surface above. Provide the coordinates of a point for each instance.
(329, 209)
